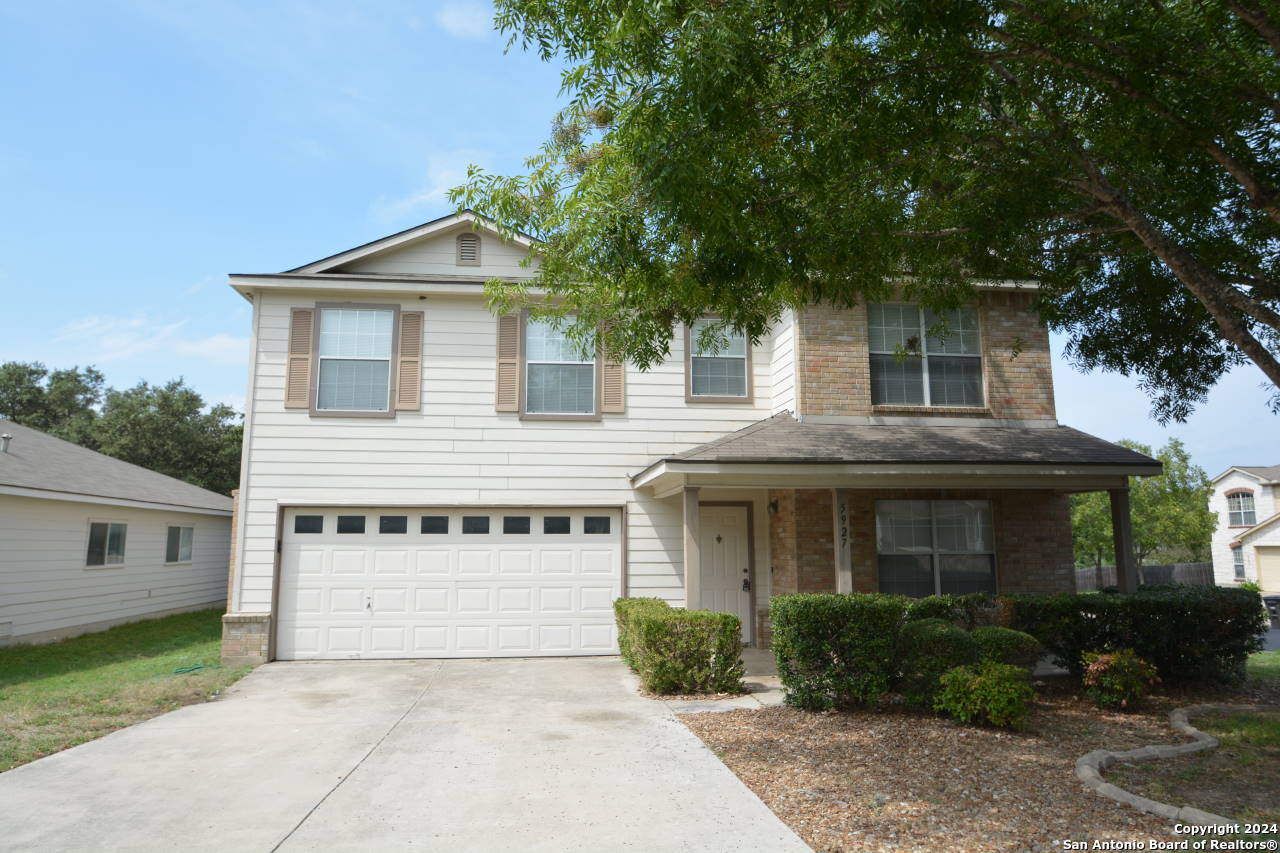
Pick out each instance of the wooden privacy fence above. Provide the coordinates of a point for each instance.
(1192, 573)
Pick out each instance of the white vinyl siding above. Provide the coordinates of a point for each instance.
(913, 366)
(438, 255)
(783, 375)
(560, 378)
(717, 371)
(935, 547)
(457, 451)
(46, 592)
(354, 355)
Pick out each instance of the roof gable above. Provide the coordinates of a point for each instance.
(1261, 473)
(445, 226)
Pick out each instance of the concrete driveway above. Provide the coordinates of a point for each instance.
(479, 755)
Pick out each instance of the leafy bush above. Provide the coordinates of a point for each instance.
(836, 651)
(625, 612)
(990, 692)
(927, 648)
(967, 611)
(1117, 679)
(1190, 633)
(680, 651)
(1005, 645)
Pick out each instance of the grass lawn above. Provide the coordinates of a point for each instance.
(1265, 666)
(59, 695)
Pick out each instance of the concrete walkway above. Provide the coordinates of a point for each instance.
(483, 755)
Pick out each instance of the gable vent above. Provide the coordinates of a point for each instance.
(468, 250)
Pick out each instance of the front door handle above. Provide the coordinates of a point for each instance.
(746, 585)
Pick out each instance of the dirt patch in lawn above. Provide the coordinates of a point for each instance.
(1239, 779)
(903, 781)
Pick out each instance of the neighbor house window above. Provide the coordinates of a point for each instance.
(177, 548)
(560, 374)
(354, 353)
(718, 370)
(935, 547)
(1237, 562)
(920, 358)
(106, 543)
(1240, 512)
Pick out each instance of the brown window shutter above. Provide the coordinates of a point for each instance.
(297, 378)
(409, 362)
(507, 396)
(613, 387)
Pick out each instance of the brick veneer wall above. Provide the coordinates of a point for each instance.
(246, 639)
(834, 362)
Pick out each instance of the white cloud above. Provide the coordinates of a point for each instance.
(109, 338)
(466, 20)
(443, 173)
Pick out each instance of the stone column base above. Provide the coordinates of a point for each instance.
(246, 639)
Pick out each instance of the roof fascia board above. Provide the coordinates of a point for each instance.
(856, 469)
(670, 482)
(245, 285)
(400, 238)
(1235, 470)
(75, 497)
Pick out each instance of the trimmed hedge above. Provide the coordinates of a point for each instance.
(1190, 633)
(926, 649)
(1005, 645)
(968, 611)
(836, 651)
(680, 651)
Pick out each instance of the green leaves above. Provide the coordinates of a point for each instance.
(738, 158)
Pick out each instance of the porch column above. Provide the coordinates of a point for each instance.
(1122, 536)
(842, 542)
(692, 551)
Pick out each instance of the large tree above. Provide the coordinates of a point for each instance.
(166, 428)
(739, 157)
(1170, 513)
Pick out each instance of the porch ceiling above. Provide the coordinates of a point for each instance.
(781, 452)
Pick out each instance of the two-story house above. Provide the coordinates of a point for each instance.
(424, 479)
(1246, 542)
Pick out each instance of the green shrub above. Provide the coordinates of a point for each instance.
(1190, 633)
(625, 611)
(688, 651)
(966, 611)
(1005, 645)
(926, 649)
(990, 692)
(836, 651)
(1117, 679)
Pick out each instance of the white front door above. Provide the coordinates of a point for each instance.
(726, 562)
(367, 582)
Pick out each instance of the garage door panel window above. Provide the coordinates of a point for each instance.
(935, 547)
(106, 543)
(178, 544)
(354, 352)
(560, 373)
(351, 524)
(308, 524)
(555, 524)
(393, 524)
(515, 524)
(434, 524)
(477, 524)
(596, 524)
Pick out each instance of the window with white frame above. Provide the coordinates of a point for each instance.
(921, 358)
(1237, 562)
(935, 547)
(560, 374)
(177, 547)
(1240, 511)
(106, 543)
(718, 369)
(354, 353)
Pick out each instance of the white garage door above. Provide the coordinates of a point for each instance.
(444, 583)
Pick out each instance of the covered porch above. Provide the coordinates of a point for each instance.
(916, 510)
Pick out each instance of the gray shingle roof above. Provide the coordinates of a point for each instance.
(784, 439)
(1265, 472)
(39, 461)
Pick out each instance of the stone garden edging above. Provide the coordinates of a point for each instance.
(1089, 767)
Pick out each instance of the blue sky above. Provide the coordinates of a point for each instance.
(152, 147)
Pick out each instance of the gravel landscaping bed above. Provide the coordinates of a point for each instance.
(891, 780)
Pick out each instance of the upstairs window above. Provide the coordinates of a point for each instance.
(560, 374)
(943, 361)
(935, 547)
(718, 371)
(468, 250)
(354, 353)
(1240, 511)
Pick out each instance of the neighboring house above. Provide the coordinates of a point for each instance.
(88, 541)
(1246, 543)
(424, 479)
